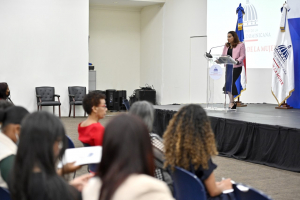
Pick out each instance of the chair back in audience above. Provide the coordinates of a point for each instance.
(91, 167)
(243, 192)
(4, 194)
(126, 104)
(187, 186)
(70, 143)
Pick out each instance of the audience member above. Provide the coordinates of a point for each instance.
(4, 104)
(10, 119)
(145, 111)
(4, 91)
(34, 176)
(90, 130)
(190, 144)
(127, 166)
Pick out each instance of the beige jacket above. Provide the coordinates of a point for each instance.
(135, 187)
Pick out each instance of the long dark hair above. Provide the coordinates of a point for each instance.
(3, 88)
(126, 150)
(39, 132)
(236, 39)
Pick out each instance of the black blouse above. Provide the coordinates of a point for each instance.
(229, 52)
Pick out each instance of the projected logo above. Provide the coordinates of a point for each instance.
(281, 54)
(250, 18)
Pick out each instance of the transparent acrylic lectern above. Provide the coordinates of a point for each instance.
(219, 82)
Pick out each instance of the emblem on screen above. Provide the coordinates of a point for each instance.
(250, 17)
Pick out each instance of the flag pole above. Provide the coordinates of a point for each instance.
(284, 106)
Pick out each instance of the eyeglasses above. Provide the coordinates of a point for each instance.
(104, 106)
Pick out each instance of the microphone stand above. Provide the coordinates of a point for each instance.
(208, 55)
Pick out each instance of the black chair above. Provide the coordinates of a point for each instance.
(187, 185)
(4, 194)
(76, 95)
(92, 168)
(45, 97)
(126, 103)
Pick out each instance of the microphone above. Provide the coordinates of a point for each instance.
(208, 55)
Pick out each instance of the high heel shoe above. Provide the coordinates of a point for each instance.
(234, 106)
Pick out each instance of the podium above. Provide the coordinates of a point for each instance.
(219, 82)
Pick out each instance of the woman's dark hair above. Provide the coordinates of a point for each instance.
(189, 139)
(3, 88)
(92, 99)
(236, 40)
(39, 132)
(126, 150)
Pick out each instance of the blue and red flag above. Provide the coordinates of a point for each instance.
(242, 80)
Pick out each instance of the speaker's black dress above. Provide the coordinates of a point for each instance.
(231, 76)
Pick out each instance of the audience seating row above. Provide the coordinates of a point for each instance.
(189, 187)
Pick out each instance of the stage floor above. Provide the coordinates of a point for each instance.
(258, 133)
(255, 113)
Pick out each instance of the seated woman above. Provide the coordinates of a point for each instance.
(190, 144)
(90, 130)
(10, 120)
(127, 166)
(4, 91)
(34, 176)
(145, 111)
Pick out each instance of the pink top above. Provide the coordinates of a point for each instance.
(238, 53)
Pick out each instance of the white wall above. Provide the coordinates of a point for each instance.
(114, 47)
(165, 47)
(152, 48)
(182, 19)
(43, 43)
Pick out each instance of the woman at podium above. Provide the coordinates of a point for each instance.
(236, 50)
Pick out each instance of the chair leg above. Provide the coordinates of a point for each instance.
(59, 110)
(70, 110)
(53, 110)
(74, 111)
(38, 108)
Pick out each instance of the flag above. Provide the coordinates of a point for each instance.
(242, 80)
(283, 61)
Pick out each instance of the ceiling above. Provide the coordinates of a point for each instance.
(126, 3)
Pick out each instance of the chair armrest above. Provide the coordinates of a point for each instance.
(73, 97)
(39, 97)
(56, 95)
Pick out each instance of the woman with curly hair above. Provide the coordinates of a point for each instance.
(190, 144)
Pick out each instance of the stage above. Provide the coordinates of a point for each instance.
(258, 133)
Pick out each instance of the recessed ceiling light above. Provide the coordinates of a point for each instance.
(115, 2)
